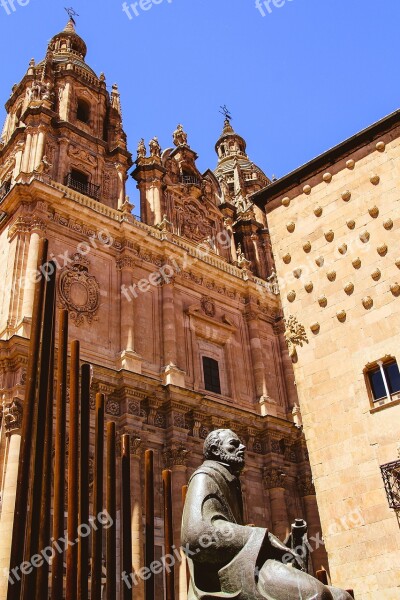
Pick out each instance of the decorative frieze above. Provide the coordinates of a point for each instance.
(274, 478)
(175, 456)
(306, 485)
(13, 417)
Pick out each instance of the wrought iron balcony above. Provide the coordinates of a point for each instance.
(4, 189)
(86, 188)
(391, 479)
(190, 180)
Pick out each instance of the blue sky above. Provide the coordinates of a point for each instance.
(304, 77)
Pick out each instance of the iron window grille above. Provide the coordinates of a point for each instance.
(391, 479)
(86, 188)
(211, 375)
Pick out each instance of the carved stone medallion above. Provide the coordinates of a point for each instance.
(79, 292)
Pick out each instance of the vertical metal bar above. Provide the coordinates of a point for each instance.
(111, 493)
(73, 475)
(83, 544)
(42, 584)
(184, 494)
(26, 451)
(126, 515)
(33, 522)
(322, 576)
(97, 541)
(149, 504)
(168, 533)
(57, 567)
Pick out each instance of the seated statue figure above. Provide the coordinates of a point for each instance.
(226, 558)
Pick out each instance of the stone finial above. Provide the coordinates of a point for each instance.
(116, 99)
(179, 136)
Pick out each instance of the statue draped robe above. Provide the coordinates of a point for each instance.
(229, 560)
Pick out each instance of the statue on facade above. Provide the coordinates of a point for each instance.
(180, 137)
(155, 148)
(141, 149)
(226, 558)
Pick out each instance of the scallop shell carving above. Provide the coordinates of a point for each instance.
(331, 275)
(374, 179)
(297, 273)
(349, 288)
(318, 211)
(350, 164)
(343, 249)
(287, 258)
(373, 211)
(364, 237)
(309, 287)
(322, 301)
(367, 302)
(307, 247)
(356, 263)
(382, 250)
(327, 177)
(397, 263)
(307, 189)
(341, 315)
(315, 327)
(395, 289)
(320, 261)
(380, 146)
(346, 196)
(388, 224)
(291, 226)
(351, 224)
(291, 296)
(376, 275)
(329, 235)
(286, 201)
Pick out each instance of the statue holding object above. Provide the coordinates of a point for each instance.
(226, 558)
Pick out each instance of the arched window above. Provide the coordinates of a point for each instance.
(83, 111)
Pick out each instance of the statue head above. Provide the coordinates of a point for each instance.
(224, 446)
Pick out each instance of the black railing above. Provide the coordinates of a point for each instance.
(391, 479)
(190, 180)
(85, 188)
(4, 189)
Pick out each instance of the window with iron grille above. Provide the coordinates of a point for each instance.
(211, 375)
(391, 478)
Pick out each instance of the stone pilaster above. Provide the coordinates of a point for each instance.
(274, 479)
(318, 555)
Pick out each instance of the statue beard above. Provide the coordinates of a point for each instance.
(236, 463)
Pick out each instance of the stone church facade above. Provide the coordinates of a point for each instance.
(178, 311)
(334, 226)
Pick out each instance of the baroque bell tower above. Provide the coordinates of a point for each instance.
(62, 122)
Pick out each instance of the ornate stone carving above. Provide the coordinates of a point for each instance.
(306, 485)
(349, 288)
(376, 275)
(82, 155)
(341, 316)
(322, 301)
(13, 416)
(307, 247)
(373, 211)
(295, 335)
(286, 258)
(286, 201)
(141, 149)
(307, 189)
(113, 408)
(331, 275)
(388, 224)
(356, 263)
(208, 306)
(309, 286)
(155, 148)
(136, 447)
(329, 235)
(176, 455)
(79, 292)
(315, 327)
(318, 211)
(367, 302)
(274, 478)
(291, 296)
(291, 226)
(346, 195)
(395, 289)
(382, 250)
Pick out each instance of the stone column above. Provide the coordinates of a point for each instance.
(175, 458)
(274, 481)
(121, 183)
(172, 375)
(30, 275)
(318, 555)
(39, 148)
(12, 425)
(27, 153)
(267, 404)
(130, 360)
(137, 514)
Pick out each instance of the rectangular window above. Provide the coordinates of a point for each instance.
(376, 379)
(211, 375)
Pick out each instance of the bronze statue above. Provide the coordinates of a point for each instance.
(226, 558)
